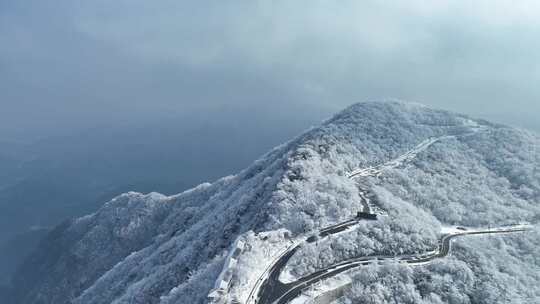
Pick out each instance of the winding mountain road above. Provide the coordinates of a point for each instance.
(273, 291)
(366, 198)
(270, 290)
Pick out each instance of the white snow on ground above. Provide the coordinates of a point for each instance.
(450, 230)
(411, 155)
(461, 229)
(474, 126)
(332, 284)
(324, 287)
(181, 242)
(471, 124)
(301, 299)
(223, 281)
(263, 249)
(399, 161)
(287, 276)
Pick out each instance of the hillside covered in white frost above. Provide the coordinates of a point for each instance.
(156, 249)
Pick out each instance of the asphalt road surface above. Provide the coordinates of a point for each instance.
(270, 290)
(273, 291)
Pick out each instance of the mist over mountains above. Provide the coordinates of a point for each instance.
(48, 181)
(152, 248)
(164, 152)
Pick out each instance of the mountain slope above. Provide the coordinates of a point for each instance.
(156, 249)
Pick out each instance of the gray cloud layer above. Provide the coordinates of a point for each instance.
(80, 63)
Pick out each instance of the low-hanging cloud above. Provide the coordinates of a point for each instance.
(80, 62)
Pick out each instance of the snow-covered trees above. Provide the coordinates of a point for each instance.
(482, 270)
(154, 249)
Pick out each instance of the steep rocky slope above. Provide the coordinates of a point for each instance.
(157, 249)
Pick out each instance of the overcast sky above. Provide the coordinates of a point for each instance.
(66, 65)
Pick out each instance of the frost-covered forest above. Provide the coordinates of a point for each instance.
(156, 249)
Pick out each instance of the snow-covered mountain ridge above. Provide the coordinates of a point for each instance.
(155, 249)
